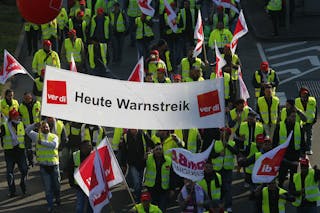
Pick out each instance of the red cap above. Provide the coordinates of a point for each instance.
(154, 52)
(82, 2)
(47, 43)
(72, 32)
(260, 138)
(177, 77)
(225, 129)
(145, 196)
(304, 90)
(161, 69)
(304, 161)
(264, 66)
(227, 45)
(100, 11)
(14, 113)
(80, 13)
(43, 71)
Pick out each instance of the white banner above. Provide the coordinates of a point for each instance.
(189, 165)
(124, 104)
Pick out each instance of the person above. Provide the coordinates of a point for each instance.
(8, 103)
(274, 8)
(188, 18)
(273, 198)
(38, 86)
(50, 32)
(144, 34)
(268, 109)
(290, 107)
(194, 75)
(117, 138)
(43, 57)
(165, 55)
(161, 76)
(32, 34)
(177, 78)
(188, 62)
(92, 133)
(227, 83)
(220, 16)
(134, 150)
(87, 12)
(118, 20)
(192, 197)
(221, 36)
(192, 139)
(79, 25)
(157, 176)
(48, 158)
(133, 11)
(295, 149)
(75, 47)
(145, 205)
(74, 136)
(100, 28)
(12, 141)
(222, 156)
(154, 62)
(264, 76)
(308, 105)
(211, 184)
(98, 57)
(238, 114)
(167, 140)
(62, 21)
(306, 188)
(82, 203)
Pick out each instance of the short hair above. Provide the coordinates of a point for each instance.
(8, 91)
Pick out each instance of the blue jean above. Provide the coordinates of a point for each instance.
(50, 176)
(226, 193)
(82, 202)
(12, 157)
(136, 177)
(308, 135)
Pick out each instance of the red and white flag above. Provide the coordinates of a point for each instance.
(73, 66)
(145, 7)
(220, 62)
(10, 67)
(99, 194)
(137, 73)
(198, 34)
(240, 30)
(84, 175)
(171, 16)
(267, 166)
(226, 4)
(244, 93)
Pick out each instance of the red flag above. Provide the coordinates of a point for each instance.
(84, 174)
(240, 30)
(99, 194)
(10, 67)
(198, 34)
(73, 66)
(137, 72)
(220, 62)
(171, 16)
(267, 166)
(244, 93)
(145, 7)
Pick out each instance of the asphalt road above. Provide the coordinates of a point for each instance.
(251, 53)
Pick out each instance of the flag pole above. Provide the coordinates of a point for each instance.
(30, 76)
(124, 179)
(204, 52)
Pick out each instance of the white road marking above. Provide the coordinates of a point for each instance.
(317, 48)
(261, 52)
(293, 71)
(282, 97)
(314, 60)
(284, 46)
(302, 74)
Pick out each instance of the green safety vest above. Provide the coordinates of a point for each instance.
(29, 25)
(283, 116)
(87, 15)
(225, 20)
(147, 30)
(39, 86)
(188, 79)
(106, 26)
(226, 161)
(5, 108)
(263, 107)
(74, 48)
(222, 37)
(244, 130)
(83, 28)
(103, 52)
(38, 62)
(152, 208)
(183, 15)
(243, 116)
(168, 61)
(311, 187)
(45, 155)
(185, 66)
(265, 201)
(253, 152)
(153, 66)
(151, 172)
(59, 128)
(118, 132)
(192, 138)
(96, 135)
(133, 9)
(25, 113)
(226, 80)
(274, 5)
(310, 111)
(296, 134)
(270, 78)
(62, 19)
(234, 72)
(7, 139)
(119, 24)
(49, 30)
(169, 30)
(215, 190)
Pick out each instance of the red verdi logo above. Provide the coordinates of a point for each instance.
(209, 103)
(56, 92)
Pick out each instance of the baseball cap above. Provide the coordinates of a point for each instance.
(47, 43)
(145, 196)
(14, 113)
(260, 138)
(264, 66)
(177, 77)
